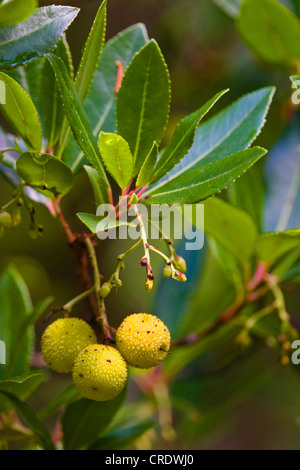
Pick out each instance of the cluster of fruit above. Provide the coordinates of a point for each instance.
(100, 371)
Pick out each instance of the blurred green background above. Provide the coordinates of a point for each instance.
(247, 403)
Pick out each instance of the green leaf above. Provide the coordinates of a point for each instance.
(22, 386)
(231, 7)
(146, 171)
(248, 195)
(29, 77)
(183, 138)
(85, 420)
(45, 173)
(100, 104)
(273, 246)
(117, 158)
(67, 396)
(230, 227)
(143, 102)
(91, 53)
(21, 113)
(15, 11)
(36, 36)
(100, 224)
(122, 438)
(201, 183)
(78, 120)
(52, 111)
(96, 182)
(41, 434)
(15, 308)
(231, 130)
(271, 31)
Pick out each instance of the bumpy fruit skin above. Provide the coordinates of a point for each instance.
(100, 372)
(63, 340)
(143, 340)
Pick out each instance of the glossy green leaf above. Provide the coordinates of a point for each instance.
(41, 434)
(15, 307)
(147, 169)
(231, 130)
(85, 420)
(143, 102)
(67, 396)
(36, 36)
(99, 224)
(117, 157)
(201, 183)
(21, 113)
(52, 110)
(15, 11)
(45, 173)
(122, 438)
(78, 120)
(271, 31)
(182, 139)
(100, 104)
(91, 53)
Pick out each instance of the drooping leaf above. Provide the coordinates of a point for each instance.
(201, 183)
(78, 120)
(52, 111)
(15, 11)
(45, 173)
(182, 139)
(100, 105)
(117, 157)
(41, 434)
(143, 102)
(85, 420)
(36, 36)
(231, 130)
(91, 53)
(271, 31)
(21, 113)
(146, 171)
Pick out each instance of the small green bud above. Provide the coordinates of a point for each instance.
(105, 289)
(167, 272)
(5, 219)
(179, 263)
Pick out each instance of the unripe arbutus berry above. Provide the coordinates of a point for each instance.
(63, 340)
(5, 219)
(105, 289)
(100, 372)
(143, 340)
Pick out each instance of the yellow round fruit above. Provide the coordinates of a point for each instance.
(100, 372)
(143, 340)
(63, 340)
